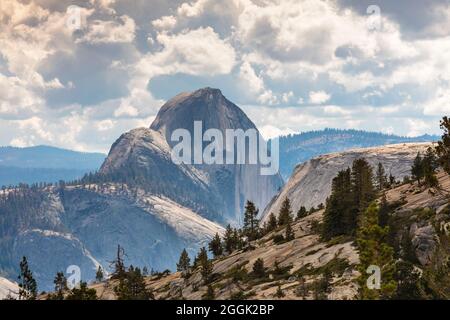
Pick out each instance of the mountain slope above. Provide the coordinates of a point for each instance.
(83, 224)
(310, 184)
(298, 148)
(8, 288)
(140, 199)
(217, 191)
(419, 225)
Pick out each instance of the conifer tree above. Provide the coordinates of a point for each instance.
(289, 233)
(215, 246)
(339, 217)
(210, 294)
(258, 268)
(229, 240)
(272, 223)
(60, 282)
(119, 265)
(285, 214)
(99, 274)
(250, 221)
(362, 182)
(443, 147)
(301, 213)
(132, 286)
(82, 293)
(430, 165)
(205, 265)
(381, 177)
(27, 284)
(417, 171)
(374, 250)
(184, 263)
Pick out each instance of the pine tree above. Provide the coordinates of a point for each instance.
(362, 181)
(99, 274)
(132, 286)
(279, 294)
(60, 286)
(209, 295)
(229, 240)
(443, 147)
(205, 265)
(289, 236)
(184, 263)
(301, 213)
(374, 250)
(430, 165)
(339, 216)
(238, 239)
(82, 293)
(272, 223)
(215, 246)
(285, 214)
(417, 171)
(258, 268)
(119, 265)
(27, 284)
(391, 180)
(381, 177)
(250, 221)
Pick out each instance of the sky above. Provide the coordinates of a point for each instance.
(78, 74)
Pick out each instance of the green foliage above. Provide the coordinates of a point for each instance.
(301, 213)
(381, 177)
(374, 250)
(338, 217)
(251, 223)
(278, 239)
(82, 293)
(290, 235)
(209, 294)
(279, 272)
(279, 293)
(272, 223)
(410, 285)
(27, 284)
(443, 147)
(118, 264)
(258, 268)
(206, 266)
(132, 286)
(285, 214)
(417, 170)
(351, 192)
(184, 264)
(60, 287)
(215, 246)
(99, 274)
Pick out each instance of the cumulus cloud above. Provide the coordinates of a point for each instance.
(292, 65)
(318, 97)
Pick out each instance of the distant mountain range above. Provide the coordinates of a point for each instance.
(298, 148)
(45, 164)
(50, 164)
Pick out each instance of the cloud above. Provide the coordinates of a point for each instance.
(318, 97)
(100, 31)
(165, 23)
(292, 65)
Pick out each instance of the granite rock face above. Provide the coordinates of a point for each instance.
(85, 224)
(310, 184)
(217, 191)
